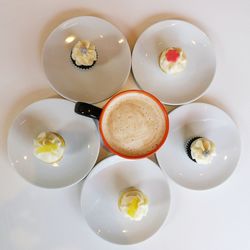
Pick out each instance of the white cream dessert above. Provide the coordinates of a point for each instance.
(203, 150)
(84, 54)
(133, 204)
(49, 147)
(173, 60)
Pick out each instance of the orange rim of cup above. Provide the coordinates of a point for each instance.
(161, 107)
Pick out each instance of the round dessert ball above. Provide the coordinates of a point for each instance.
(173, 60)
(133, 204)
(49, 147)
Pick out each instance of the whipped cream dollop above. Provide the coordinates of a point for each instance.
(203, 151)
(133, 204)
(84, 53)
(173, 60)
(49, 147)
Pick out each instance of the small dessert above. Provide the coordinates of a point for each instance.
(133, 204)
(49, 147)
(201, 150)
(84, 54)
(173, 60)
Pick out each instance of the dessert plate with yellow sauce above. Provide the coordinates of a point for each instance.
(98, 82)
(125, 201)
(29, 152)
(221, 152)
(190, 67)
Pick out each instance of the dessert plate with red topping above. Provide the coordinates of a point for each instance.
(175, 61)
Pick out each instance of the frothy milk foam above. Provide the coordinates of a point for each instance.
(133, 124)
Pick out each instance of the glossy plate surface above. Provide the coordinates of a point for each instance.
(200, 119)
(185, 86)
(105, 78)
(100, 194)
(81, 139)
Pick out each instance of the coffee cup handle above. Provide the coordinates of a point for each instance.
(88, 110)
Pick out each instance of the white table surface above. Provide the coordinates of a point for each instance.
(32, 218)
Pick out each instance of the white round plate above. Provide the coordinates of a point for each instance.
(105, 78)
(200, 119)
(80, 135)
(183, 87)
(100, 194)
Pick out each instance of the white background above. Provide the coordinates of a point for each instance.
(32, 218)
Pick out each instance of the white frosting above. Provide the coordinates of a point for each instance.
(133, 124)
(173, 67)
(49, 147)
(133, 204)
(203, 151)
(84, 53)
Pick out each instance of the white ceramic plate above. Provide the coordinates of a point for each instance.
(80, 135)
(101, 191)
(183, 87)
(200, 119)
(107, 75)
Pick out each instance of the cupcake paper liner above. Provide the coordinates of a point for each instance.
(188, 146)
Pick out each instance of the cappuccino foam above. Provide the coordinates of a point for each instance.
(133, 124)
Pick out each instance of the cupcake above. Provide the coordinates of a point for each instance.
(133, 204)
(201, 150)
(172, 60)
(84, 55)
(49, 147)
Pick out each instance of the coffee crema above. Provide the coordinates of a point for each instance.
(133, 124)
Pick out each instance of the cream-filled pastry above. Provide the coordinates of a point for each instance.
(133, 204)
(173, 60)
(84, 54)
(203, 150)
(49, 147)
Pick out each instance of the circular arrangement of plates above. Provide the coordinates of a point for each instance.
(100, 194)
(81, 139)
(183, 87)
(200, 119)
(105, 78)
(103, 185)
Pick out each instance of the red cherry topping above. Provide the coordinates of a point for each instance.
(172, 55)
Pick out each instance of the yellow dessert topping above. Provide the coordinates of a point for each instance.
(133, 204)
(49, 147)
